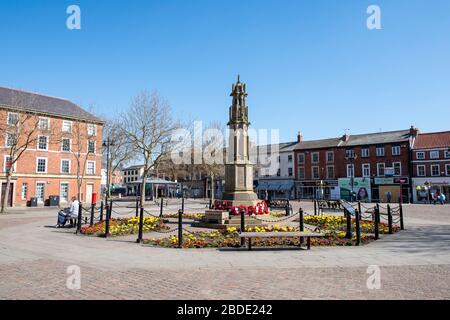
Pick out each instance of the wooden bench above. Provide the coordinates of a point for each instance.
(301, 235)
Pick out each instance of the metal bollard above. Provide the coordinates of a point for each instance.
(91, 223)
(302, 226)
(161, 208)
(108, 217)
(137, 207)
(389, 219)
(180, 227)
(315, 207)
(377, 221)
(242, 226)
(141, 226)
(358, 228)
(101, 210)
(402, 226)
(349, 233)
(80, 209)
(359, 210)
(288, 208)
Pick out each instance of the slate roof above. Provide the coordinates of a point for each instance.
(432, 140)
(377, 138)
(28, 101)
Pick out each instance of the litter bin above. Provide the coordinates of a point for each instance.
(33, 202)
(53, 201)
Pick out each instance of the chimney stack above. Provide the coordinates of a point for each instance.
(299, 137)
(413, 131)
(345, 137)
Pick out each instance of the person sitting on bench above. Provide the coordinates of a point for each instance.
(68, 213)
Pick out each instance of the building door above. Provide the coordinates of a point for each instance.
(9, 200)
(40, 192)
(89, 190)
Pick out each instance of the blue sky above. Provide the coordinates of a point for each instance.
(309, 65)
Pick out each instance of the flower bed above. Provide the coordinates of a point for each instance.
(121, 227)
(336, 223)
(230, 238)
(190, 216)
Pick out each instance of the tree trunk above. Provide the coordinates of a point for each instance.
(144, 178)
(6, 195)
(109, 174)
(212, 188)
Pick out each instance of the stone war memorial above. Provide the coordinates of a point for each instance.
(238, 195)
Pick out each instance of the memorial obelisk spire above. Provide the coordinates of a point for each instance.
(239, 169)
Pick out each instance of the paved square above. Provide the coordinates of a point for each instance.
(414, 264)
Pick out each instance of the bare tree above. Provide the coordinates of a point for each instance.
(21, 128)
(148, 125)
(213, 154)
(121, 150)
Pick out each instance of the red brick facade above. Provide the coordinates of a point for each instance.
(57, 178)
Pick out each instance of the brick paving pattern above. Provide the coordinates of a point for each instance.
(415, 264)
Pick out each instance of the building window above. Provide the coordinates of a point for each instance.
(380, 151)
(90, 167)
(315, 172)
(67, 126)
(350, 170)
(435, 170)
(64, 192)
(278, 172)
(42, 143)
(40, 192)
(290, 158)
(330, 172)
(65, 145)
(420, 155)
(7, 164)
(315, 157)
(380, 169)
(41, 165)
(24, 191)
(44, 124)
(421, 171)
(301, 173)
(396, 150)
(447, 154)
(350, 154)
(91, 129)
(434, 154)
(65, 166)
(301, 158)
(10, 140)
(366, 170)
(91, 146)
(290, 172)
(365, 153)
(13, 119)
(330, 156)
(447, 169)
(397, 168)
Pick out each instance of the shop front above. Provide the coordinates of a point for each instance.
(355, 189)
(389, 189)
(275, 189)
(425, 188)
(317, 189)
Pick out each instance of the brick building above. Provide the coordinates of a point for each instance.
(431, 165)
(374, 166)
(66, 146)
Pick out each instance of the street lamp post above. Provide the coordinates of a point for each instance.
(352, 159)
(106, 144)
